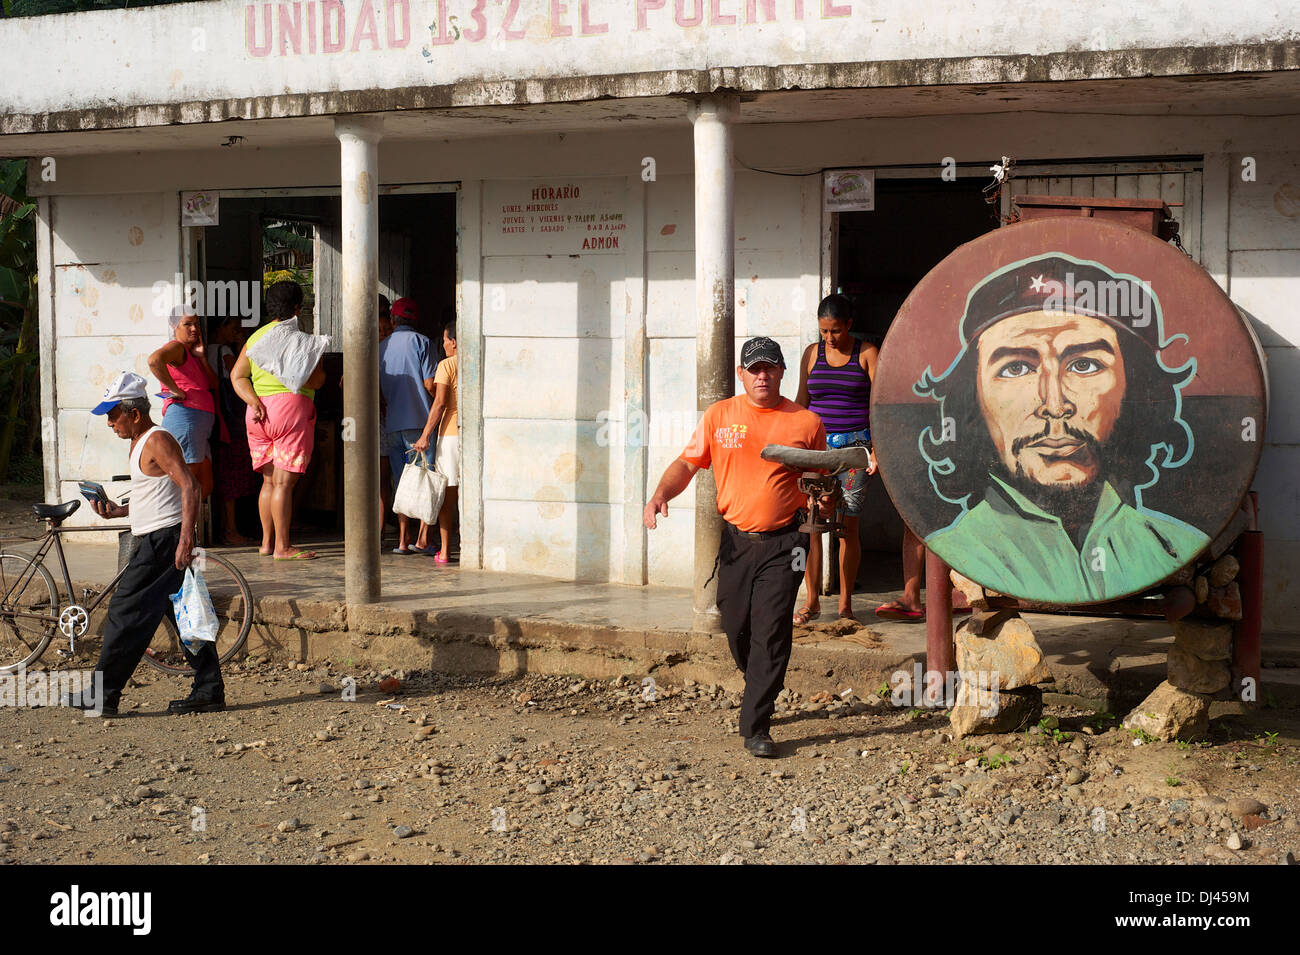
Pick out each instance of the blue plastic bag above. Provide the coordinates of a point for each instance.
(196, 619)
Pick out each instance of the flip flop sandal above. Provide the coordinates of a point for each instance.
(805, 614)
(404, 551)
(301, 555)
(891, 611)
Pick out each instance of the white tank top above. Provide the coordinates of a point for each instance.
(155, 501)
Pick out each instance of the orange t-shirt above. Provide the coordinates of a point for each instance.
(753, 494)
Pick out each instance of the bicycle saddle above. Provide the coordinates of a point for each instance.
(832, 462)
(56, 512)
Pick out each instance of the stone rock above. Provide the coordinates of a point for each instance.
(403, 832)
(1007, 649)
(1179, 602)
(537, 787)
(973, 592)
(1195, 675)
(1204, 639)
(1225, 602)
(1075, 776)
(288, 825)
(1181, 577)
(994, 711)
(1170, 713)
(1233, 842)
(1201, 586)
(1224, 571)
(576, 819)
(1239, 806)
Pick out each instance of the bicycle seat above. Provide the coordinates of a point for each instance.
(56, 512)
(803, 459)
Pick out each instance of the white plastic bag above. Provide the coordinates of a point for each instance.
(289, 354)
(420, 491)
(196, 619)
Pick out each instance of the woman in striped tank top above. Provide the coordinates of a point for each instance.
(835, 377)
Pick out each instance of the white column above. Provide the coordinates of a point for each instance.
(359, 156)
(715, 312)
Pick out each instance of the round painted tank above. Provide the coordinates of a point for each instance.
(1068, 410)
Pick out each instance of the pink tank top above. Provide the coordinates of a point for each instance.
(190, 378)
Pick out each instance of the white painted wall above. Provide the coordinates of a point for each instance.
(107, 253)
(1263, 244)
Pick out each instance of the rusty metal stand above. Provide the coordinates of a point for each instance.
(1247, 648)
(940, 652)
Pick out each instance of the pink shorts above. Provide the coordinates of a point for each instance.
(288, 434)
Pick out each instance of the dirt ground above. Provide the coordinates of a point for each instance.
(564, 770)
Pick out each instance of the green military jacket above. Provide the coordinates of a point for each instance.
(1011, 545)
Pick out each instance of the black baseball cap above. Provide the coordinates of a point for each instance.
(761, 349)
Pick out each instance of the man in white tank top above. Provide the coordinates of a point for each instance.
(163, 509)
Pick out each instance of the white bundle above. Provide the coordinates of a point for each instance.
(289, 354)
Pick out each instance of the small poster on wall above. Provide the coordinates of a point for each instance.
(200, 208)
(849, 190)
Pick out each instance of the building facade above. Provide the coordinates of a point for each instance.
(545, 168)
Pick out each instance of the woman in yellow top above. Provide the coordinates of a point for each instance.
(444, 416)
(281, 428)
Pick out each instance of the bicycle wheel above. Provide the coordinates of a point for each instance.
(233, 602)
(24, 638)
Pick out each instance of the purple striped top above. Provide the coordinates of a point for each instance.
(840, 396)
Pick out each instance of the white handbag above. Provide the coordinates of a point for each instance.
(421, 490)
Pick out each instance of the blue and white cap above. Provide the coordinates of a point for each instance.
(126, 385)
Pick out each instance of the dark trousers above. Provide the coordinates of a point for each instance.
(137, 607)
(757, 587)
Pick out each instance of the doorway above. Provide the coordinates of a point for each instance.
(879, 257)
(264, 236)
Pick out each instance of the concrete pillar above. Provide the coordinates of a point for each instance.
(715, 312)
(359, 155)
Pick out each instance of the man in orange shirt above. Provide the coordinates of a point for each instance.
(758, 566)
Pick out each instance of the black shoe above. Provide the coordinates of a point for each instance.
(91, 706)
(761, 745)
(197, 704)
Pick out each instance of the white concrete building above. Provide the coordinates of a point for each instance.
(579, 334)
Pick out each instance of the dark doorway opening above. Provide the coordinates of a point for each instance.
(880, 257)
(263, 239)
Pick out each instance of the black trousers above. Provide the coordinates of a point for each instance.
(137, 607)
(757, 587)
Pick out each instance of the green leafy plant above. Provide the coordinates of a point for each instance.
(1142, 734)
(1270, 739)
(996, 761)
(882, 691)
(915, 713)
(1182, 744)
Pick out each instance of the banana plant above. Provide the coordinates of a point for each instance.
(18, 355)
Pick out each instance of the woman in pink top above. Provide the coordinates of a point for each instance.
(189, 409)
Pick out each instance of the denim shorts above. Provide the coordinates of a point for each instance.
(192, 430)
(853, 483)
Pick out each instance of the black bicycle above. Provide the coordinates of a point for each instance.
(31, 613)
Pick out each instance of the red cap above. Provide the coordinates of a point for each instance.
(404, 308)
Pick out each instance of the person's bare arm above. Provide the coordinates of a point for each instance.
(431, 387)
(241, 379)
(440, 401)
(317, 377)
(868, 356)
(165, 453)
(802, 397)
(173, 353)
(675, 479)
